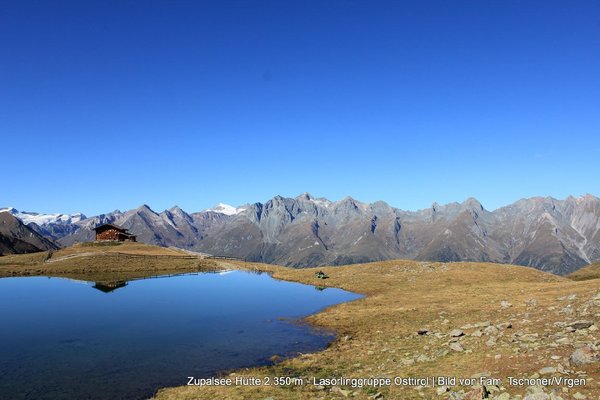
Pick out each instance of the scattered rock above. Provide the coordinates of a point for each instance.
(423, 358)
(343, 392)
(567, 310)
(577, 325)
(537, 396)
(569, 297)
(407, 361)
(493, 388)
(490, 330)
(505, 304)
(529, 337)
(531, 303)
(584, 355)
(535, 388)
(442, 389)
(456, 333)
(547, 371)
(442, 353)
(478, 393)
(563, 340)
(456, 346)
(423, 331)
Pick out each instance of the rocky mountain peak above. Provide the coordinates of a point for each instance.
(10, 210)
(176, 210)
(176, 213)
(145, 208)
(473, 203)
(305, 196)
(589, 199)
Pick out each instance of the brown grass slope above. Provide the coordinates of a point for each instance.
(377, 335)
(104, 261)
(592, 271)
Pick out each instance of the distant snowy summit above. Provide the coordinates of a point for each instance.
(44, 219)
(226, 209)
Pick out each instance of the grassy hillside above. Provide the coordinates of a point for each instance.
(378, 335)
(104, 261)
(590, 272)
(513, 321)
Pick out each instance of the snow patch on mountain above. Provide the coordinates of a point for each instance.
(226, 209)
(321, 202)
(44, 219)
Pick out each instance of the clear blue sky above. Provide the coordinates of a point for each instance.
(111, 104)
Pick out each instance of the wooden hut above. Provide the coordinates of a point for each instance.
(108, 287)
(113, 232)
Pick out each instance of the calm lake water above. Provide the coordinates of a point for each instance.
(64, 339)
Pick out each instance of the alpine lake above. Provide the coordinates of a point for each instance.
(68, 339)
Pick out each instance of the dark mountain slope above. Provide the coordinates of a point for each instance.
(18, 238)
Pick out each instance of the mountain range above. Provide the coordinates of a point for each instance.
(16, 237)
(557, 236)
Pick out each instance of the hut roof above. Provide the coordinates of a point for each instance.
(111, 226)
